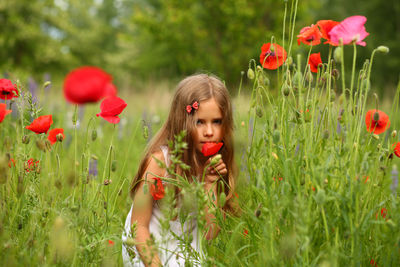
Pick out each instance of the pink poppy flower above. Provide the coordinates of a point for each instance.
(349, 30)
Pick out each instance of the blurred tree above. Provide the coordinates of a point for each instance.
(179, 37)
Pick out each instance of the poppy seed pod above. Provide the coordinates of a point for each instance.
(259, 111)
(41, 145)
(337, 55)
(114, 166)
(383, 49)
(394, 133)
(285, 89)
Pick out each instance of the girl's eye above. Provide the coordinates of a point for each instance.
(198, 122)
(218, 121)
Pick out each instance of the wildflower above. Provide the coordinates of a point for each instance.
(245, 232)
(272, 56)
(110, 108)
(54, 135)
(377, 121)
(325, 27)
(31, 165)
(107, 181)
(210, 149)
(110, 243)
(41, 124)
(397, 149)
(11, 161)
(314, 61)
(93, 167)
(88, 84)
(157, 189)
(395, 179)
(349, 30)
(3, 111)
(383, 212)
(8, 90)
(309, 35)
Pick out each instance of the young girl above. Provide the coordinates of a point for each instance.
(201, 106)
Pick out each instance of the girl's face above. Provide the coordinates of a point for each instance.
(208, 128)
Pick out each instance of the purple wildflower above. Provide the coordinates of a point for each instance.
(93, 168)
(395, 179)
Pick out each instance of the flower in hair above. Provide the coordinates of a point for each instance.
(192, 107)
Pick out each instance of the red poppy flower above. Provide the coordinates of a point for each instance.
(31, 165)
(397, 149)
(157, 189)
(377, 121)
(314, 61)
(272, 56)
(110, 243)
(383, 213)
(41, 124)
(245, 232)
(210, 149)
(11, 161)
(8, 90)
(88, 84)
(3, 111)
(110, 108)
(309, 35)
(52, 137)
(325, 27)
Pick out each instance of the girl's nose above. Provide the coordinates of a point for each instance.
(208, 131)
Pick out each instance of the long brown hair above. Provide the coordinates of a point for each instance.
(198, 87)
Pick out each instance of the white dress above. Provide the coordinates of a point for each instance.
(170, 249)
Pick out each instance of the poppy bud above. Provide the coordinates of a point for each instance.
(289, 61)
(320, 197)
(145, 131)
(242, 73)
(41, 145)
(107, 181)
(60, 137)
(250, 74)
(383, 49)
(47, 144)
(333, 95)
(309, 77)
(366, 85)
(114, 166)
(25, 139)
(105, 205)
(94, 134)
(335, 74)
(285, 89)
(394, 133)
(215, 159)
(20, 186)
(337, 54)
(259, 111)
(259, 68)
(376, 116)
(130, 242)
(342, 97)
(222, 199)
(298, 76)
(375, 136)
(94, 157)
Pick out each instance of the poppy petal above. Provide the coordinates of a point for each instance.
(210, 149)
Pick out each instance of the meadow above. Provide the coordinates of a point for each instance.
(317, 155)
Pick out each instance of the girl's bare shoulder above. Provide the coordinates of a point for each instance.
(155, 163)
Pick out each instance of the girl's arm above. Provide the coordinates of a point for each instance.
(210, 186)
(142, 212)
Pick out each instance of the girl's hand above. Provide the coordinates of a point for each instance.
(214, 172)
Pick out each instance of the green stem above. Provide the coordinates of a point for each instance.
(352, 74)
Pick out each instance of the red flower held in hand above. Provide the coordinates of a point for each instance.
(397, 149)
(88, 84)
(272, 56)
(210, 149)
(110, 108)
(52, 137)
(8, 90)
(314, 61)
(309, 35)
(377, 121)
(349, 30)
(325, 27)
(157, 189)
(41, 124)
(3, 111)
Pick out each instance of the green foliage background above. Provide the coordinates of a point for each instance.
(138, 39)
